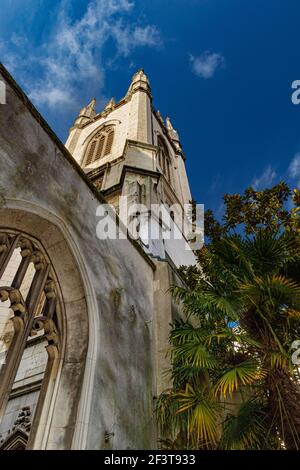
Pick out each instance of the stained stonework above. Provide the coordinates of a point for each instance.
(140, 133)
(98, 390)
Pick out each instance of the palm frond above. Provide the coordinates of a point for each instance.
(247, 429)
(184, 332)
(292, 313)
(277, 290)
(245, 373)
(284, 290)
(182, 374)
(202, 410)
(268, 252)
(166, 413)
(278, 360)
(232, 255)
(211, 301)
(194, 354)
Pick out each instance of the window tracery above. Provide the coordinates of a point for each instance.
(100, 146)
(29, 311)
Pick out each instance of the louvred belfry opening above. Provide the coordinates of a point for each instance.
(100, 146)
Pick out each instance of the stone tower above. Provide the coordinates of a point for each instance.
(85, 320)
(128, 150)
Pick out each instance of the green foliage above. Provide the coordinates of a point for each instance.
(245, 373)
(235, 387)
(255, 210)
(248, 429)
(201, 410)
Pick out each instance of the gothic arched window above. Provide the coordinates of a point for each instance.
(30, 336)
(164, 159)
(100, 146)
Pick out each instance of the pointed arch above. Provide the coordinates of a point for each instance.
(100, 145)
(67, 375)
(164, 158)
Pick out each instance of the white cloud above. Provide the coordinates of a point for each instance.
(265, 180)
(51, 96)
(147, 36)
(206, 64)
(128, 38)
(71, 59)
(294, 168)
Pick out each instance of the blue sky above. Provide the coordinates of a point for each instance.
(221, 69)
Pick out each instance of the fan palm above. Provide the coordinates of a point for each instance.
(235, 386)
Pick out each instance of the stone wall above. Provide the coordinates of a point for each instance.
(107, 372)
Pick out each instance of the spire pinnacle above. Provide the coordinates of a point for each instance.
(86, 114)
(139, 82)
(172, 132)
(89, 110)
(110, 105)
(160, 118)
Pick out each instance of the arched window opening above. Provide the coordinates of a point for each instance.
(100, 146)
(164, 159)
(30, 332)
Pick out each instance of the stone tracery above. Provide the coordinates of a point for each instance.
(30, 313)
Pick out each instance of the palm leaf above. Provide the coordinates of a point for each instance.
(211, 301)
(184, 332)
(292, 313)
(166, 413)
(194, 354)
(245, 373)
(269, 252)
(277, 289)
(283, 289)
(202, 411)
(181, 374)
(278, 360)
(247, 430)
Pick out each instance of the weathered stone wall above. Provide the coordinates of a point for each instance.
(44, 193)
(178, 171)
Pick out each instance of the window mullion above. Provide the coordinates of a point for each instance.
(23, 325)
(26, 253)
(42, 408)
(51, 299)
(36, 288)
(104, 146)
(15, 351)
(95, 150)
(8, 249)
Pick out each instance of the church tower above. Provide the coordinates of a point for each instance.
(84, 319)
(128, 150)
